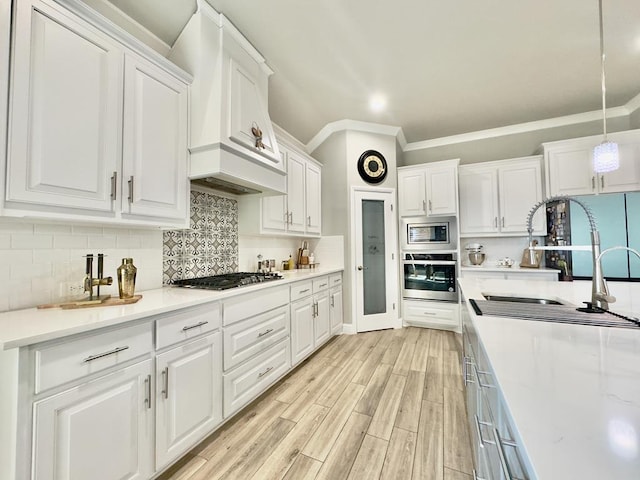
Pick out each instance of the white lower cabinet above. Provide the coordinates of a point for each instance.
(336, 315)
(497, 454)
(431, 314)
(244, 383)
(188, 396)
(549, 275)
(102, 429)
(302, 331)
(321, 328)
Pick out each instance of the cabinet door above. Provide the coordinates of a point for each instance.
(321, 325)
(442, 194)
(302, 329)
(154, 170)
(478, 200)
(247, 110)
(627, 177)
(189, 396)
(570, 169)
(313, 198)
(295, 193)
(66, 100)
(274, 208)
(520, 189)
(412, 193)
(335, 313)
(100, 430)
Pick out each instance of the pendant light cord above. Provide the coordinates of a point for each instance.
(604, 88)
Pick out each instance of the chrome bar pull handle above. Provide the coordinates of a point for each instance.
(130, 184)
(495, 222)
(309, 221)
(262, 374)
(191, 327)
(291, 218)
(502, 222)
(165, 382)
(602, 181)
(430, 206)
(593, 182)
(114, 185)
(332, 302)
(266, 332)
(424, 206)
(147, 398)
(91, 358)
(503, 458)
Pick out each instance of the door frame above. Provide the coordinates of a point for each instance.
(393, 223)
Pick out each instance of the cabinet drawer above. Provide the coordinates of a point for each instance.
(301, 290)
(245, 306)
(186, 324)
(244, 339)
(320, 284)
(59, 363)
(248, 380)
(432, 314)
(335, 280)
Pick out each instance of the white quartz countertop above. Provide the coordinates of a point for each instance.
(572, 391)
(513, 268)
(25, 327)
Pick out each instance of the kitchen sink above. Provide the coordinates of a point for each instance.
(515, 299)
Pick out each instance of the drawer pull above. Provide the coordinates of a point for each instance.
(147, 398)
(304, 291)
(323, 285)
(91, 358)
(503, 458)
(429, 313)
(266, 332)
(260, 375)
(479, 431)
(337, 280)
(165, 382)
(190, 327)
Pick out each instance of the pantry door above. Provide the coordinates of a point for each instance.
(375, 259)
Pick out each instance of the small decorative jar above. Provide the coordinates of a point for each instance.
(126, 278)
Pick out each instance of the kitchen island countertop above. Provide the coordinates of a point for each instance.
(572, 391)
(28, 326)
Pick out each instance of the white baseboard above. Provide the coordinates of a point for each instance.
(349, 329)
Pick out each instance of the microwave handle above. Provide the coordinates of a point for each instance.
(429, 262)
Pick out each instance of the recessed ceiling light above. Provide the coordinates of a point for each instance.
(377, 103)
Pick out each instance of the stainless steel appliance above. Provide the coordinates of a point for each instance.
(418, 233)
(429, 276)
(226, 280)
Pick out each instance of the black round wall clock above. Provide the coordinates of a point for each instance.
(372, 166)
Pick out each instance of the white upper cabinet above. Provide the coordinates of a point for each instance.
(66, 100)
(299, 212)
(154, 141)
(569, 165)
(496, 197)
(96, 131)
(430, 189)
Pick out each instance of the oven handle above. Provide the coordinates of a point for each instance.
(429, 262)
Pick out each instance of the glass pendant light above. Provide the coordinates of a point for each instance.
(605, 156)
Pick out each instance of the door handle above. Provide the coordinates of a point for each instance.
(360, 267)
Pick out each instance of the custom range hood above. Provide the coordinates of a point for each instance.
(232, 144)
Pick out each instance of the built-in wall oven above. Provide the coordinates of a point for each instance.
(429, 276)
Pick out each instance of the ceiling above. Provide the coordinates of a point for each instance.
(445, 68)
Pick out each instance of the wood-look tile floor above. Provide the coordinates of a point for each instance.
(377, 405)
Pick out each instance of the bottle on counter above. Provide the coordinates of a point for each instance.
(126, 274)
(312, 259)
(291, 263)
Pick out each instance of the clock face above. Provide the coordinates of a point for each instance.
(372, 166)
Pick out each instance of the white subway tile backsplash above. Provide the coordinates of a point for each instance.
(100, 242)
(70, 241)
(34, 270)
(85, 230)
(13, 225)
(10, 257)
(51, 228)
(5, 241)
(30, 241)
(128, 241)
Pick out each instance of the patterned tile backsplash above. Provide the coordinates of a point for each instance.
(209, 247)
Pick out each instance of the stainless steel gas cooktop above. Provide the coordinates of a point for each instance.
(227, 280)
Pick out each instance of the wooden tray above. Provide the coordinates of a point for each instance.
(111, 301)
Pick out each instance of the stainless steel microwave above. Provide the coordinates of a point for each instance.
(426, 235)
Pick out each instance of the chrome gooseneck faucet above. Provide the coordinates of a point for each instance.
(600, 297)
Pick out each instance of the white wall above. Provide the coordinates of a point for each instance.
(38, 259)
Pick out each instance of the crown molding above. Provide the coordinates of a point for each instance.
(633, 104)
(518, 128)
(358, 126)
(283, 136)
